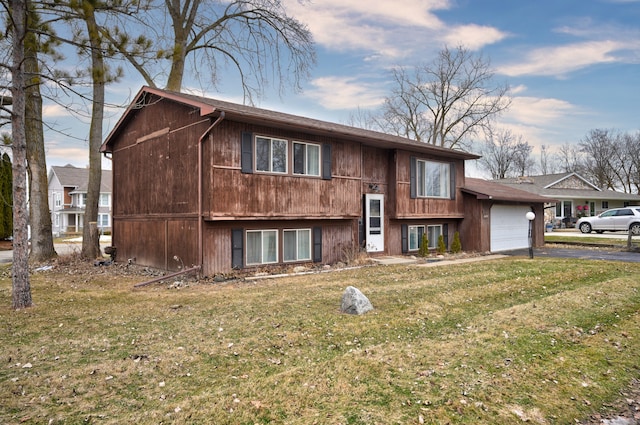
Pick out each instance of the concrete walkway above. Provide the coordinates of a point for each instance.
(388, 261)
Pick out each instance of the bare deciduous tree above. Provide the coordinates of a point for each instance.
(600, 159)
(256, 37)
(21, 288)
(506, 155)
(446, 102)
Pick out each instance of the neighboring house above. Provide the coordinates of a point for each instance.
(500, 213)
(571, 196)
(221, 186)
(68, 196)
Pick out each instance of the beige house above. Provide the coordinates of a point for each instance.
(576, 196)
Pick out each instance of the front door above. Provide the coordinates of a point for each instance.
(374, 222)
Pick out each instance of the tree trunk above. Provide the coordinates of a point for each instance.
(39, 214)
(90, 237)
(21, 289)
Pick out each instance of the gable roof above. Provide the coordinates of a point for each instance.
(248, 114)
(544, 185)
(78, 178)
(547, 181)
(484, 189)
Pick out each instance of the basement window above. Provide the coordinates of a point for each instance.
(297, 245)
(262, 247)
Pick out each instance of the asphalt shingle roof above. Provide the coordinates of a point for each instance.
(78, 178)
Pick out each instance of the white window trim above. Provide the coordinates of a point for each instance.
(297, 244)
(306, 171)
(417, 231)
(271, 140)
(100, 215)
(444, 177)
(107, 196)
(246, 241)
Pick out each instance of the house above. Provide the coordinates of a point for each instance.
(68, 196)
(573, 196)
(211, 184)
(499, 212)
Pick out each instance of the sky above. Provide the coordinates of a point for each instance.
(572, 65)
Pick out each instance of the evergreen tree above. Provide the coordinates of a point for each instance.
(6, 198)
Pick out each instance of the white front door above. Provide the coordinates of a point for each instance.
(374, 222)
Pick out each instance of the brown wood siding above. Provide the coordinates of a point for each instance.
(155, 243)
(405, 207)
(230, 193)
(475, 228)
(339, 238)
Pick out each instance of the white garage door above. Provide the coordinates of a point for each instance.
(509, 227)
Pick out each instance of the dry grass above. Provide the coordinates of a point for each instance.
(498, 342)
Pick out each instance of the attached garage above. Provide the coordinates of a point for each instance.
(495, 217)
(509, 227)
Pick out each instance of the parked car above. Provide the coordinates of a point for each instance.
(614, 220)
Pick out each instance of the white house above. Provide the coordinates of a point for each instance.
(68, 195)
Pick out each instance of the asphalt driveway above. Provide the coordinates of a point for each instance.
(582, 253)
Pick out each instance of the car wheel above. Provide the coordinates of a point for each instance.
(635, 229)
(585, 228)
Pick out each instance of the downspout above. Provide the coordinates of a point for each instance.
(200, 206)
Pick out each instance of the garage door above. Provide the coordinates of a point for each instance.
(509, 227)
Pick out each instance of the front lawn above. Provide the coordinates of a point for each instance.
(495, 342)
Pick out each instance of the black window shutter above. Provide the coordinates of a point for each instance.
(445, 234)
(326, 161)
(317, 244)
(452, 176)
(247, 152)
(237, 251)
(412, 178)
(405, 238)
(361, 232)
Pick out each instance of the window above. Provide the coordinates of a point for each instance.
(103, 220)
(297, 245)
(57, 220)
(82, 199)
(605, 205)
(271, 155)
(306, 159)
(433, 234)
(262, 247)
(415, 237)
(57, 196)
(433, 179)
(104, 200)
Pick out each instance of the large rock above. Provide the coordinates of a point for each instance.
(354, 302)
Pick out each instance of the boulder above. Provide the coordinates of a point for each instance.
(354, 302)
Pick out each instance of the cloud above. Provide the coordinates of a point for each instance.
(473, 36)
(345, 93)
(559, 61)
(387, 30)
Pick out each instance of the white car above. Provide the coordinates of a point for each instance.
(614, 220)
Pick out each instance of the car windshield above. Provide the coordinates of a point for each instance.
(609, 213)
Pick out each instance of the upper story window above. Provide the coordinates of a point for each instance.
(57, 199)
(271, 155)
(104, 200)
(433, 179)
(82, 199)
(306, 159)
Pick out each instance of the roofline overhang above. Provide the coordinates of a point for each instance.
(259, 116)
